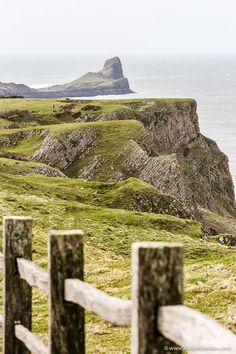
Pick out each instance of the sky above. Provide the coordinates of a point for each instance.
(117, 27)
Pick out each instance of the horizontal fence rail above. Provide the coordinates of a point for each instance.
(192, 329)
(156, 279)
(34, 275)
(109, 308)
(30, 341)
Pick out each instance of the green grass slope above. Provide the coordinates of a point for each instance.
(131, 194)
(111, 215)
(57, 203)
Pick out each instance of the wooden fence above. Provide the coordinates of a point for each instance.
(159, 322)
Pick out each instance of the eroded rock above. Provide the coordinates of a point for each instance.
(61, 152)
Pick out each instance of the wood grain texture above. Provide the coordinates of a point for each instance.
(1, 322)
(31, 342)
(17, 293)
(1, 262)
(156, 281)
(192, 329)
(33, 274)
(67, 335)
(111, 309)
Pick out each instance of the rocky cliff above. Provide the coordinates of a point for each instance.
(174, 131)
(108, 81)
(168, 152)
(155, 140)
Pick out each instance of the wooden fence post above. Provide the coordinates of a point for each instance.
(67, 334)
(17, 293)
(157, 271)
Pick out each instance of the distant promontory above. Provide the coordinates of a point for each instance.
(108, 81)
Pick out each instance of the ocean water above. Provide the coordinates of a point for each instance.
(209, 80)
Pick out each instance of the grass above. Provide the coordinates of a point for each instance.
(26, 147)
(106, 213)
(48, 108)
(116, 196)
(109, 234)
(16, 167)
(42, 106)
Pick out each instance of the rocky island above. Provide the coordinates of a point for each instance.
(108, 81)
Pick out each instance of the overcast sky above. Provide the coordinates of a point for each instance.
(117, 27)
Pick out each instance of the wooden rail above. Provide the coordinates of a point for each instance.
(34, 275)
(30, 341)
(159, 321)
(191, 329)
(109, 308)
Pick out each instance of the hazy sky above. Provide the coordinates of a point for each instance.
(117, 27)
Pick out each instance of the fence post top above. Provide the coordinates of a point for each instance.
(8, 217)
(146, 245)
(66, 233)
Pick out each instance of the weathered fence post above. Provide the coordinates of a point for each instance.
(67, 334)
(17, 293)
(157, 271)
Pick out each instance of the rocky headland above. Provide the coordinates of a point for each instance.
(108, 81)
(156, 141)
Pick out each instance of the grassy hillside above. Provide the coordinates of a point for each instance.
(108, 237)
(112, 217)
(131, 194)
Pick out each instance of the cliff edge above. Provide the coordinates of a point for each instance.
(157, 141)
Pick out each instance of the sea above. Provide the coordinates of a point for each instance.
(210, 80)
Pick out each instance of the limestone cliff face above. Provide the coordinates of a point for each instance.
(60, 153)
(162, 171)
(172, 125)
(169, 152)
(207, 172)
(175, 130)
(189, 166)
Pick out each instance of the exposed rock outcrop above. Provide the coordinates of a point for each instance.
(44, 171)
(61, 152)
(14, 138)
(88, 172)
(227, 240)
(112, 69)
(163, 171)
